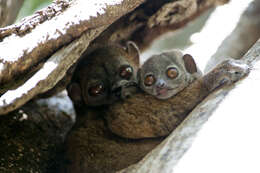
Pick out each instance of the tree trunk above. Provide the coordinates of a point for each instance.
(242, 37)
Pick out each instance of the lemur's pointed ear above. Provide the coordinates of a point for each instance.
(189, 63)
(134, 52)
(74, 92)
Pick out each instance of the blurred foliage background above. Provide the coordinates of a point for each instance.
(30, 6)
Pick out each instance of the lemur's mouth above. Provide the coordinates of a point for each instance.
(162, 92)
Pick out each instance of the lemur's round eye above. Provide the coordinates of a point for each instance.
(96, 90)
(126, 72)
(149, 80)
(172, 72)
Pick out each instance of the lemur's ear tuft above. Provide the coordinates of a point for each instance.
(133, 51)
(189, 63)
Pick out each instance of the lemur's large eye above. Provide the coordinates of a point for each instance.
(172, 72)
(96, 90)
(126, 72)
(149, 80)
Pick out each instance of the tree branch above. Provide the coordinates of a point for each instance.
(48, 76)
(32, 137)
(44, 40)
(29, 23)
(9, 11)
(242, 37)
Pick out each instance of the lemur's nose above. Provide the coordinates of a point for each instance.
(160, 83)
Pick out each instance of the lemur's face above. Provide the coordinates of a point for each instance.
(164, 75)
(102, 80)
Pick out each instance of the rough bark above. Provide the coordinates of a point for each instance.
(67, 25)
(18, 66)
(30, 22)
(31, 138)
(8, 11)
(52, 71)
(154, 18)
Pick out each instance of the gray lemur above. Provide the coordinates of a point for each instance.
(146, 116)
(105, 75)
(166, 74)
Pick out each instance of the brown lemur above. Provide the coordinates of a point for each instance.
(169, 78)
(114, 68)
(92, 145)
(104, 75)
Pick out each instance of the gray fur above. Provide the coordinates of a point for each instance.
(157, 66)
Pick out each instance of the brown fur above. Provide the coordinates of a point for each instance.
(101, 64)
(144, 116)
(92, 147)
